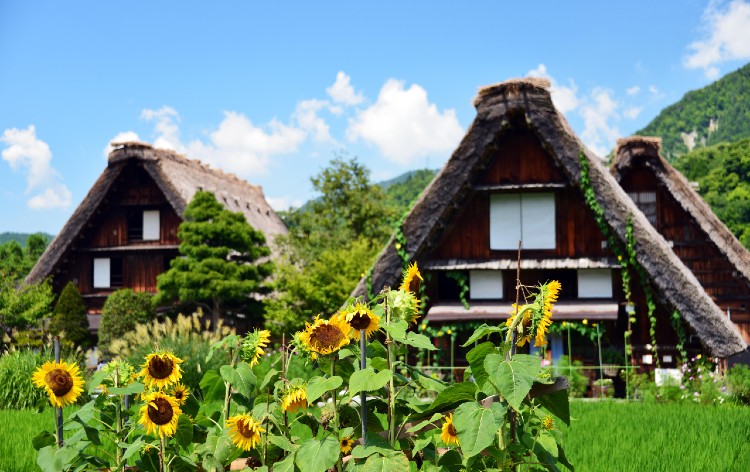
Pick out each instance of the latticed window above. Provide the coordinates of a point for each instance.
(646, 202)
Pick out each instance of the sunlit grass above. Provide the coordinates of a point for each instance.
(17, 429)
(621, 436)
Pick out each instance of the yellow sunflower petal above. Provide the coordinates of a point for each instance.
(244, 431)
(63, 382)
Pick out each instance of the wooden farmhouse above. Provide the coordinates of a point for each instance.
(521, 174)
(124, 233)
(701, 241)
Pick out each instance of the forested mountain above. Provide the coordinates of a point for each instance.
(716, 113)
(723, 174)
(21, 238)
(403, 190)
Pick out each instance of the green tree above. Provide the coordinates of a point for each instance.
(122, 311)
(18, 261)
(23, 305)
(69, 317)
(223, 259)
(332, 241)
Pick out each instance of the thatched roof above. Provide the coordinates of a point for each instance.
(179, 178)
(526, 103)
(644, 151)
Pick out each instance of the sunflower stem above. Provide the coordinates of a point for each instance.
(118, 413)
(363, 395)
(228, 390)
(335, 412)
(161, 453)
(58, 410)
(391, 392)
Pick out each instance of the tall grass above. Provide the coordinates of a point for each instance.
(17, 429)
(634, 436)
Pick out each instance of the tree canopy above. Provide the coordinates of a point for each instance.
(17, 260)
(222, 259)
(23, 305)
(69, 317)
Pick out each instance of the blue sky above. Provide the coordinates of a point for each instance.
(272, 91)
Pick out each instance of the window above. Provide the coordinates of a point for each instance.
(107, 272)
(528, 217)
(646, 202)
(151, 225)
(485, 284)
(143, 225)
(595, 283)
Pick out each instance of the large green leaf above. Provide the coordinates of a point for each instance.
(476, 357)
(449, 398)
(317, 386)
(476, 426)
(51, 459)
(513, 378)
(557, 403)
(482, 331)
(419, 341)
(317, 455)
(242, 377)
(132, 389)
(184, 433)
(367, 380)
(287, 465)
(96, 379)
(375, 444)
(397, 329)
(394, 462)
(212, 387)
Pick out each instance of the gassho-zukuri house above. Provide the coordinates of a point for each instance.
(521, 173)
(124, 232)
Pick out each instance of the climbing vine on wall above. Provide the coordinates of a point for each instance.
(463, 286)
(626, 260)
(681, 336)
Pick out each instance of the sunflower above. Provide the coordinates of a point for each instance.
(62, 382)
(159, 414)
(120, 374)
(345, 444)
(180, 393)
(449, 435)
(412, 279)
(161, 370)
(253, 344)
(548, 293)
(523, 326)
(548, 423)
(325, 337)
(404, 305)
(244, 431)
(360, 317)
(294, 399)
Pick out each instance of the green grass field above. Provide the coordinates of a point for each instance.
(638, 437)
(603, 436)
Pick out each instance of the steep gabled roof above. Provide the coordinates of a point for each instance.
(526, 103)
(178, 178)
(640, 151)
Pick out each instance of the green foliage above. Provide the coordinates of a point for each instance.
(17, 391)
(222, 258)
(16, 451)
(723, 175)
(402, 191)
(122, 311)
(19, 252)
(738, 383)
(579, 383)
(23, 305)
(69, 318)
(726, 102)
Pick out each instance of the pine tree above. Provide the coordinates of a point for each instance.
(69, 317)
(223, 258)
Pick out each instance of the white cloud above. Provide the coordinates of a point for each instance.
(728, 37)
(284, 203)
(342, 92)
(632, 112)
(405, 126)
(564, 98)
(32, 156)
(598, 113)
(306, 115)
(123, 137)
(634, 90)
(167, 126)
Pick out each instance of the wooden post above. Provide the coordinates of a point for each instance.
(362, 394)
(58, 410)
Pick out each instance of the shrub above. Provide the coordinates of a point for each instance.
(17, 391)
(69, 318)
(578, 382)
(738, 381)
(122, 311)
(186, 337)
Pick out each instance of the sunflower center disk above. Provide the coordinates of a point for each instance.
(414, 285)
(59, 381)
(360, 321)
(244, 429)
(162, 413)
(452, 430)
(326, 337)
(160, 367)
